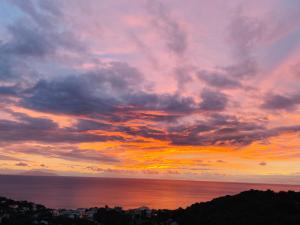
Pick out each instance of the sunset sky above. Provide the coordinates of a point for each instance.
(195, 89)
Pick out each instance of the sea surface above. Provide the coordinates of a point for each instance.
(75, 192)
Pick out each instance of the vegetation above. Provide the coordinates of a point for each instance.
(247, 208)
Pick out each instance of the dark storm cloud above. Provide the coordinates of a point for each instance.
(8, 64)
(281, 102)
(8, 90)
(44, 130)
(284, 129)
(163, 102)
(71, 95)
(84, 125)
(29, 41)
(29, 122)
(84, 94)
(35, 41)
(147, 132)
(168, 117)
(213, 100)
(217, 130)
(220, 130)
(113, 92)
(175, 36)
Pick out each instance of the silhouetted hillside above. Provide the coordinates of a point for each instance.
(247, 208)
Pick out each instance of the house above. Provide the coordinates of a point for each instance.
(34, 207)
(55, 212)
(142, 212)
(72, 214)
(13, 206)
(90, 213)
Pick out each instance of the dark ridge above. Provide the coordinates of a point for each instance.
(247, 208)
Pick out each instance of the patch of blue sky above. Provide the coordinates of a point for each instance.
(8, 13)
(282, 48)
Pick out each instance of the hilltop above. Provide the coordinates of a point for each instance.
(247, 208)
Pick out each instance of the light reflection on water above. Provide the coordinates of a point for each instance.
(75, 192)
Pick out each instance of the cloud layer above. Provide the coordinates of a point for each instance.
(157, 86)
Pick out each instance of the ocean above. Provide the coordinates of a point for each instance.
(80, 192)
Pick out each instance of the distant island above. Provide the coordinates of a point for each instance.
(251, 207)
(38, 173)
